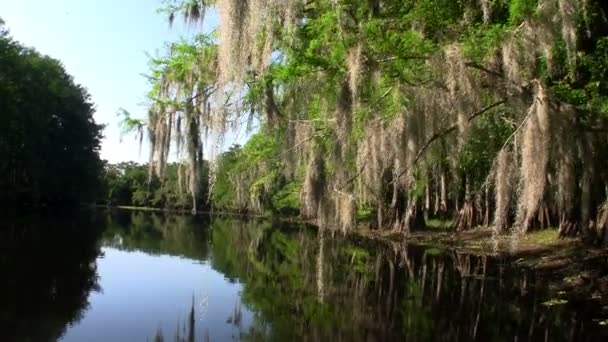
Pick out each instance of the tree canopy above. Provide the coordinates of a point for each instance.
(49, 141)
(488, 111)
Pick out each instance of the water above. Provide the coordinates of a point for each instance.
(128, 276)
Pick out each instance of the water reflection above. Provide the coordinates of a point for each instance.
(156, 234)
(319, 287)
(187, 333)
(177, 278)
(48, 271)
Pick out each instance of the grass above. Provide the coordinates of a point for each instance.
(439, 224)
(543, 237)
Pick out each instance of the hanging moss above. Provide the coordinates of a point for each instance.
(395, 106)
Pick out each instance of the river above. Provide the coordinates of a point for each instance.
(135, 276)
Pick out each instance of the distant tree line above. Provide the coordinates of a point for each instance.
(132, 184)
(49, 141)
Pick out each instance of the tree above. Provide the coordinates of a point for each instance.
(373, 104)
(49, 141)
(129, 184)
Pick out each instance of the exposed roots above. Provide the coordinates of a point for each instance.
(413, 218)
(466, 218)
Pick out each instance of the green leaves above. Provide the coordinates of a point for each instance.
(482, 41)
(46, 128)
(287, 199)
(520, 9)
(130, 125)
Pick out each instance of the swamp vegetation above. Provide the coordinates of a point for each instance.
(493, 113)
(258, 281)
(449, 156)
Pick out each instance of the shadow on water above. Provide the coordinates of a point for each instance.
(48, 271)
(297, 284)
(318, 287)
(158, 233)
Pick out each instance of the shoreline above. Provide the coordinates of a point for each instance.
(571, 267)
(573, 270)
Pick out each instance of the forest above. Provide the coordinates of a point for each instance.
(46, 129)
(128, 184)
(384, 113)
(374, 170)
(489, 113)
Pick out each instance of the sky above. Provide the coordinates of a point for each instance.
(103, 45)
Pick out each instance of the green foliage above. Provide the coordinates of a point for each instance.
(224, 192)
(364, 213)
(236, 175)
(49, 141)
(483, 144)
(586, 87)
(439, 224)
(596, 66)
(520, 9)
(287, 199)
(129, 184)
(131, 125)
(482, 41)
(360, 258)
(355, 88)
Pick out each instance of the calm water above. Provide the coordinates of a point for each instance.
(125, 276)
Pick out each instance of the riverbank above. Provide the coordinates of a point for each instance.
(178, 211)
(573, 269)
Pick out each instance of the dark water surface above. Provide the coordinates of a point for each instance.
(132, 276)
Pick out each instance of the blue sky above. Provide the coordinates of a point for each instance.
(102, 43)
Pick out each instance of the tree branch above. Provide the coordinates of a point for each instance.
(447, 131)
(484, 69)
(392, 58)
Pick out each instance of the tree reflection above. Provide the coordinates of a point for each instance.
(308, 285)
(48, 268)
(158, 233)
(318, 287)
(185, 332)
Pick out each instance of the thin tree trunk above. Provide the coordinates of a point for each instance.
(466, 217)
(427, 199)
(486, 219)
(436, 198)
(443, 207)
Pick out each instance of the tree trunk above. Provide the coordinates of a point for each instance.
(486, 216)
(193, 204)
(503, 188)
(585, 202)
(443, 206)
(436, 199)
(427, 200)
(541, 219)
(602, 224)
(466, 218)
(413, 218)
(567, 186)
(587, 182)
